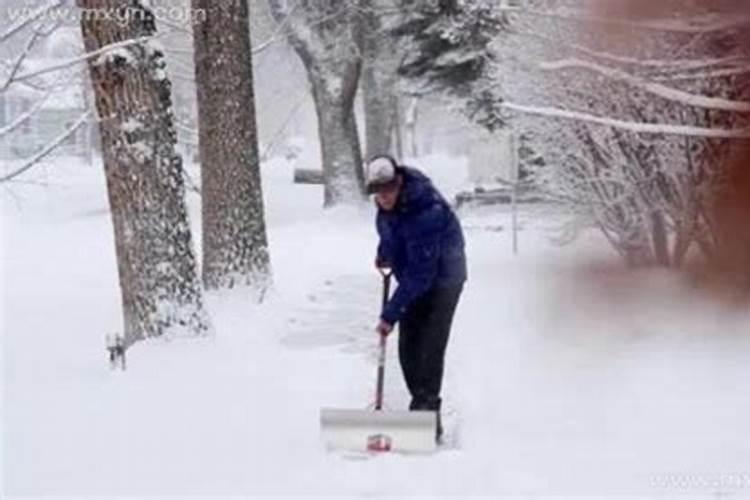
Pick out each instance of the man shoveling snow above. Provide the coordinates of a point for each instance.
(422, 243)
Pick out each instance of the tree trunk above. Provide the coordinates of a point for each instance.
(398, 133)
(680, 247)
(659, 239)
(685, 235)
(235, 246)
(337, 128)
(331, 53)
(410, 122)
(379, 122)
(161, 293)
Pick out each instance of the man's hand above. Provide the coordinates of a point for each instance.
(384, 328)
(381, 263)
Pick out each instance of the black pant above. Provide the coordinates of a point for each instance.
(423, 337)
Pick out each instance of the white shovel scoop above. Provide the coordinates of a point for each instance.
(379, 430)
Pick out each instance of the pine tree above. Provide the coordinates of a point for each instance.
(451, 41)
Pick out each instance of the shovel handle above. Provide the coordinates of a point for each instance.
(381, 375)
(386, 273)
(381, 351)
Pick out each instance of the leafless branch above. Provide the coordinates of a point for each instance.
(21, 119)
(48, 149)
(658, 89)
(40, 12)
(85, 57)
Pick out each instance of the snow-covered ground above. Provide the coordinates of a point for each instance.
(562, 378)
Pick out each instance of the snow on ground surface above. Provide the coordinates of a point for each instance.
(558, 385)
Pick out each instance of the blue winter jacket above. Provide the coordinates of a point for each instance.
(422, 241)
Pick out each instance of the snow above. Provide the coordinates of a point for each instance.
(121, 55)
(142, 150)
(567, 377)
(131, 125)
(155, 48)
(160, 74)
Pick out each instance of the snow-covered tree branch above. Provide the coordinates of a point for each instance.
(629, 131)
(632, 126)
(655, 88)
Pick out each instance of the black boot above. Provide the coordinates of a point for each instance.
(430, 404)
(438, 429)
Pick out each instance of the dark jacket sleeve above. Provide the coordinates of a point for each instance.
(423, 240)
(386, 243)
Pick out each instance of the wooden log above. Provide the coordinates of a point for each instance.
(308, 176)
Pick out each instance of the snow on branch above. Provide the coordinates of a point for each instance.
(669, 64)
(120, 54)
(29, 84)
(49, 148)
(16, 66)
(706, 75)
(672, 94)
(637, 127)
(85, 57)
(21, 119)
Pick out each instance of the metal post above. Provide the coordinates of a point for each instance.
(381, 347)
(514, 198)
(514, 211)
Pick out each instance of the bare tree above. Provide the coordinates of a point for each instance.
(326, 34)
(161, 292)
(235, 246)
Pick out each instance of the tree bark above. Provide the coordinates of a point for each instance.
(330, 51)
(379, 119)
(398, 132)
(161, 292)
(235, 245)
(410, 124)
(339, 139)
(660, 239)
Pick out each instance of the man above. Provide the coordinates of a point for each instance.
(422, 242)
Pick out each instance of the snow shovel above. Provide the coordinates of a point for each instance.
(379, 430)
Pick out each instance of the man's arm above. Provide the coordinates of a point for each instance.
(384, 257)
(422, 258)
